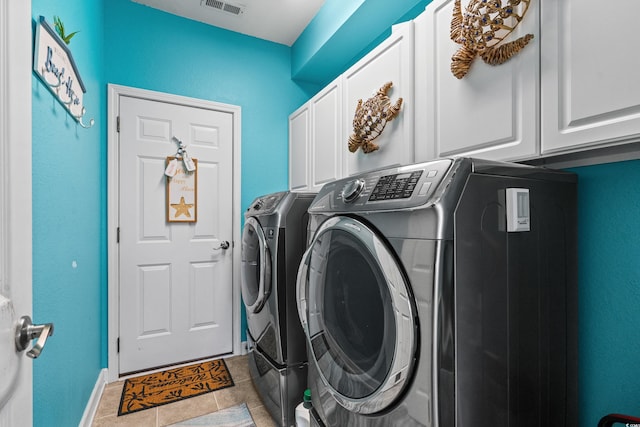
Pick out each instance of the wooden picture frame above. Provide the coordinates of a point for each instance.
(182, 193)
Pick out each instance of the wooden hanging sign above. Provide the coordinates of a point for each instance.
(182, 193)
(54, 65)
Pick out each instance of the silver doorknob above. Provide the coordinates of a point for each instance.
(223, 245)
(27, 331)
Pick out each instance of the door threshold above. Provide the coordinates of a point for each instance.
(127, 375)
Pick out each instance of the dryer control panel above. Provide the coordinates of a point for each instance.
(265, 205)
(398, 186)
(390, 188)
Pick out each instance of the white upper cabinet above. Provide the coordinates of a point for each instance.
(316, 140)
(573, 87)
(589, 63)
(490, 113)
(327, 144)
(299, 143)
(391, 61)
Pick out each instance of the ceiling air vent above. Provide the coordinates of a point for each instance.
(232, 9)
(224, 6)
(215, 3)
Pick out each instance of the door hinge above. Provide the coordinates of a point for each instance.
(118, 345)
(118, 235)
(118, 124)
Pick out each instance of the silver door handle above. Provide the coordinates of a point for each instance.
(27, 331)
(223, 245)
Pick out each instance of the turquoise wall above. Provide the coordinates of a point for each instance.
(342, 32)
(150, 49)
(128, 44)
(69, 213)
(609, 290)
(165, 53)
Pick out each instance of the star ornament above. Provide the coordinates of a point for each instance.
(182, 208)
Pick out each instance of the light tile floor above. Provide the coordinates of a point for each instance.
(243, 391)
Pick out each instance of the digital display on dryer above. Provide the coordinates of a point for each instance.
(398, 186)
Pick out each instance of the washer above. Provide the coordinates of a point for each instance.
(443, 294)
(273, 241)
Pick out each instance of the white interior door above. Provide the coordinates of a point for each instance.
(175, 281)
(15, 208)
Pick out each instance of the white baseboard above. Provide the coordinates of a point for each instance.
(94, 400)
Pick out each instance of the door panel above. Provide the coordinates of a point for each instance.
(390, 61)
(175, 281)
(299, 142)
(256, 267)
(358, 316)
(491, 112)
(154, 227)
(155, 286)
(588, 100)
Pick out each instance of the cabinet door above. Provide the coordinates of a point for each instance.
(589, 63)
(391, 61)
(299, 149)
(492, 112)
(327, 142)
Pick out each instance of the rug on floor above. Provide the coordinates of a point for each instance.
(235, 416)
(172, 385)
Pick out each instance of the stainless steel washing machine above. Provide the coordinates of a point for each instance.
(443, 294)
(273, 241)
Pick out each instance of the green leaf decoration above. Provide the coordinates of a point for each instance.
(67, 39)
(59, 26)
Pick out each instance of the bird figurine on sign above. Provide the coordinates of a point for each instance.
(484, 24)
(371, 118)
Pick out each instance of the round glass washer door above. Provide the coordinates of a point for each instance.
(255, 270)
(358, 314)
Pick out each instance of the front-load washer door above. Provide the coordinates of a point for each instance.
(255, 271)
(358, 314)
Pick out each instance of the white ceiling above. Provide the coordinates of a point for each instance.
(279, 21)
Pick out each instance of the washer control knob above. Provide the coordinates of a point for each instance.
(352, 190)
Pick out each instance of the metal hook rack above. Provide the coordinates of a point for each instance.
(182, 154)
(182, 147)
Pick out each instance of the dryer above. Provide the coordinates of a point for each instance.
(443, 294)
(273, 240)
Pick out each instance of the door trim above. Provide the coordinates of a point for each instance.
(15, 184)
(113, 102)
